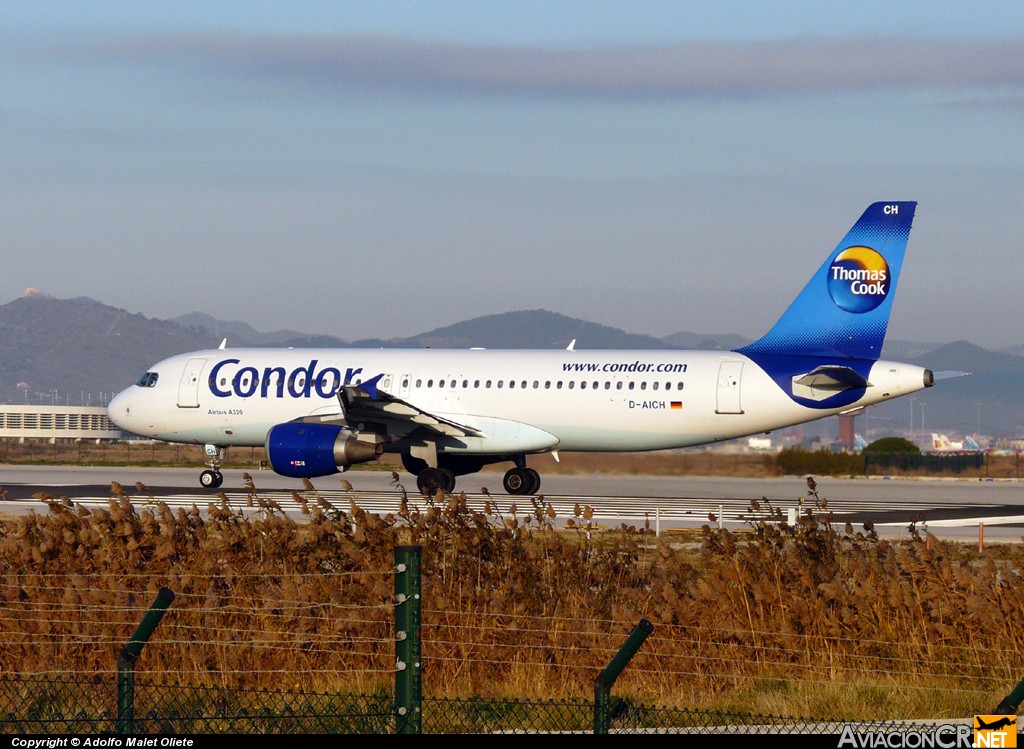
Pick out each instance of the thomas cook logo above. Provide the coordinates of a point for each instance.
(858, 279)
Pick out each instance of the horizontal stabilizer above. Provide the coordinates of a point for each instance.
(827, 380)
(832, 378)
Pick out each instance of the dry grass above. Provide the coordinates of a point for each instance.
(811, 620)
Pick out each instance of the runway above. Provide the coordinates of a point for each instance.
(946, 508)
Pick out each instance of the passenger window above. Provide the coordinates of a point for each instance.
(643, 385)
(654, 386)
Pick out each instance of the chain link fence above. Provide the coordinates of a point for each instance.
(89, 705)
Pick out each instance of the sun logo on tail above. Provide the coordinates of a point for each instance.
(858, 279)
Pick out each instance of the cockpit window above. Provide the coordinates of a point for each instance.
(148, 380)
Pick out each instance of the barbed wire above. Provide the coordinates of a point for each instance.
(287, 608)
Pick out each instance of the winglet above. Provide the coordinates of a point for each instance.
(223, 344)
(571, 346)
(370, 386)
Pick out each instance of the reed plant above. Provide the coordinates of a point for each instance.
(810, 619)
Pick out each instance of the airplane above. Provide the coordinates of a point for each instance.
(1003, 721)
(942, 443)
(450, 413)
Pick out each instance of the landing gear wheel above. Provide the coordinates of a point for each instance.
(534, 480)
(517, 481)
(211, 479)
(448, 479)
(429, 480)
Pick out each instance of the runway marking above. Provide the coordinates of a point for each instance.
(984, 520)
(660, 513)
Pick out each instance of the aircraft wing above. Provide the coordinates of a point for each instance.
(365, 407)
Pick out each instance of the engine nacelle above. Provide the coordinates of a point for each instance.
(303, 450)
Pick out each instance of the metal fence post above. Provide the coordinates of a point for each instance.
(605, 680)
(1011, 701)
(130, 654)
(408, 642)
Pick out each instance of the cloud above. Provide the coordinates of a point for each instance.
(709, 68)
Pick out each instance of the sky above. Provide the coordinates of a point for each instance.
(383, 169)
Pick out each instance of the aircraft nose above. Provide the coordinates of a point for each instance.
(120, 411)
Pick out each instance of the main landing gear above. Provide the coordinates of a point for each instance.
(212, 478)
(429, 479)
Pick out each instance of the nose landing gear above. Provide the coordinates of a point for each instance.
(212, 478)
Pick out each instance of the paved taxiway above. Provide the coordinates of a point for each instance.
(948, 508)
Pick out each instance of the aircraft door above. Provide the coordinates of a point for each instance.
(188, 388)
(729, 378)
(404, 385)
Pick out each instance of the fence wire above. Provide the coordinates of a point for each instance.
(80, 705)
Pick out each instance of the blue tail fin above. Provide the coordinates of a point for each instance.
(844, 309)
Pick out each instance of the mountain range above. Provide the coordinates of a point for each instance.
(81, 351)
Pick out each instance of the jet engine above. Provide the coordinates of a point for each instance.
(302, 450)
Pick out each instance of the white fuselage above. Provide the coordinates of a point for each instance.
(519, 401)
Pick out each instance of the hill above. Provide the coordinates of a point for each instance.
(991, 394)
(238, 333)
(537, 328)
(80, 351)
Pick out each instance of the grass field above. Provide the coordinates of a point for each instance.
(811, 620)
